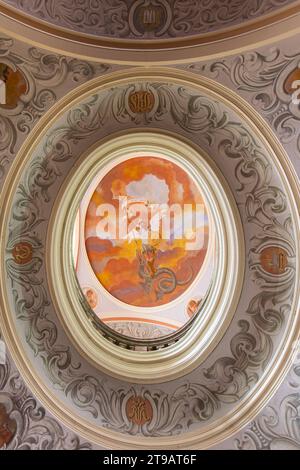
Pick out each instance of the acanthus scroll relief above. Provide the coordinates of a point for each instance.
(48, 77)
(269, 79)
(26, 425)
(229, 378)
(146, 19)
(278, 425)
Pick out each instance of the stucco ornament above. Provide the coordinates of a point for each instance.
(48, 76)
(146, 19)
(269, 79)
(263, 315)
(24, 423)
(277, 428)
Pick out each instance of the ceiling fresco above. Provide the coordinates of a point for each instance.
(147, 265)
(145, 240)
(36, 81)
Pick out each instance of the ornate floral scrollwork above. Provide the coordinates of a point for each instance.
(47, 77)
(140, 330)
(275, 429)
(146, 18)
(268, 78)
(24, 424)
(265, 207)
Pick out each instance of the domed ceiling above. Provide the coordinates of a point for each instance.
(149, 228)
(153, 31)
(147, 19)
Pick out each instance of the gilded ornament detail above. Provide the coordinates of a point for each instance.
(139, 410)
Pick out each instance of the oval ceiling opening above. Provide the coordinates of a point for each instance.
(143, 246)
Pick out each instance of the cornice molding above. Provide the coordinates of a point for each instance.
(262, 30)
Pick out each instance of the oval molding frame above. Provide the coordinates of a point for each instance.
(206, 331)
(247, 408)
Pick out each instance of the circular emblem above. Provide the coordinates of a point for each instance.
(193, 307)
(149, 16)
(141, 101)
(273, 260)
(291, 80)
(139, 410)
(12, 86)
(91, 296)
(22, 252)
(7, 427)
